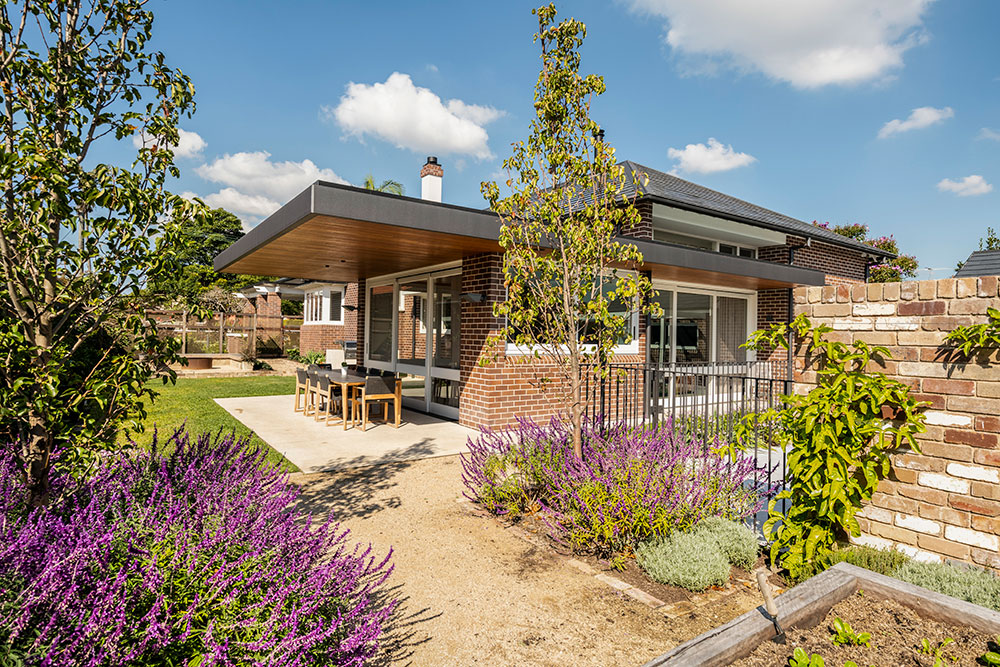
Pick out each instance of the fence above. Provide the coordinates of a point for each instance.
(245, 334)
(706, 401)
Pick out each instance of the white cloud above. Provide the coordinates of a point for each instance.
(919, 118)
(414, 118)
(189, 144)
(808, 44)
(987, 133)
(256, 186)
(970, 186)
(702, 159)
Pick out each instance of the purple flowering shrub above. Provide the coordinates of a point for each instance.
(633, 484)
(196, 557)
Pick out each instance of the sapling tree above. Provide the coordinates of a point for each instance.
(570, 293)
(78, 81)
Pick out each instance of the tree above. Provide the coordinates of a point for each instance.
(566, 300)
(77, 235)
(390, 186)
(889, 271)
(194, 248)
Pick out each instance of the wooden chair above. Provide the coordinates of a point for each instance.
(301, 389)
(376, 390)
(328, 393)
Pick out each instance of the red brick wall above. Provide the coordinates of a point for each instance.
(510, 386)
(322, 337)
(945, 502)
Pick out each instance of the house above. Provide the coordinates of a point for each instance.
(980, 263)
(426, 274)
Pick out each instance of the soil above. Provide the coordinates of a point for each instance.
(472, 593)
(897, 632)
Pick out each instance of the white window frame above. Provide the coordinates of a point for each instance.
(632, 347)
(714, 292)
(318, 299)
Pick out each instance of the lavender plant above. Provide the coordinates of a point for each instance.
(196, 557)
(632, 485)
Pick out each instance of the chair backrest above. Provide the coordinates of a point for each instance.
(312, 368)
(373, 371)
(323, 380)
(325, 367)
(302, 375)
(376, 384)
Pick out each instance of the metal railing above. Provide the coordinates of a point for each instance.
(705, 401)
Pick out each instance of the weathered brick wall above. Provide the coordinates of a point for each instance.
(945, 502)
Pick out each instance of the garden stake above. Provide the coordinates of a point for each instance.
(772, 609)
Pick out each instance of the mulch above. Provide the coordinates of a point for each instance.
(897, 632)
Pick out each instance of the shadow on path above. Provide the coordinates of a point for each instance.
(356, 493)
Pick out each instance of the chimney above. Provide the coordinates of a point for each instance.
(430, 180)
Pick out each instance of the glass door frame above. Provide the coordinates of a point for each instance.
(427, 370)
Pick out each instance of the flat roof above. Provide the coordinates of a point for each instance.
(340, 233)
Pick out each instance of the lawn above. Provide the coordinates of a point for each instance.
(190, 400)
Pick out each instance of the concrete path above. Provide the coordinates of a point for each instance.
(315, 447)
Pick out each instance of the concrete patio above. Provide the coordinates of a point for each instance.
(315, 447)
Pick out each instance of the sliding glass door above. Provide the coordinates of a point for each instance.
(415, 325)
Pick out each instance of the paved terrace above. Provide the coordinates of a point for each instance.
(316, 447)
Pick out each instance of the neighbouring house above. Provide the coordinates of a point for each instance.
(980, 263)
(425, 275)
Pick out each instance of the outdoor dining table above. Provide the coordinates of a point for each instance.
(349, 380)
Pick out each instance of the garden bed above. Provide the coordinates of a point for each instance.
(805, 613)
(897, 633)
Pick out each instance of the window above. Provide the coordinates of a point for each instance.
(683, 239)
(700, 326)
(323, 306)
(735, 251)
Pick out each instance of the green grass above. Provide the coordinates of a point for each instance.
(190, 400)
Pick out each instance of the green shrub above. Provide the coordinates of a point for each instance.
(736, 542)
(688, 560)
(975, 586)
(882, 561)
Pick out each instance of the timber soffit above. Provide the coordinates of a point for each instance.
(348, 202)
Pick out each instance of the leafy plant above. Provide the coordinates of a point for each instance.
(839, 442)
(991, 657)
(567, 203)
(802, 659)
(78, 236)
(844, 634)
(633, 484)
(937, 651)
(977, 337)
(199, 556)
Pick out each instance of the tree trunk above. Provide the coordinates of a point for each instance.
(37, 460)
(576, 407)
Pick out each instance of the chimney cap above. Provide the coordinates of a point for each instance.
(431, 159)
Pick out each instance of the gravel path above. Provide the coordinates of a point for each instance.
(474, 594)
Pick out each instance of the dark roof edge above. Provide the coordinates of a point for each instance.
(715, 213)
(669, 254)
(312, 200)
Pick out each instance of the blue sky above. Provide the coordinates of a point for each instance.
(796, 95)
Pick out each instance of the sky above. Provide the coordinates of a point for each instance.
(883, 112)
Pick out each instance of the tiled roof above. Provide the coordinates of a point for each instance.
(685, 193)
(980, 263)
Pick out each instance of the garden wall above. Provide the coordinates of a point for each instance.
(945, 502)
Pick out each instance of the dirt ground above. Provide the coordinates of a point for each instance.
(472, 593)
(896, 635)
